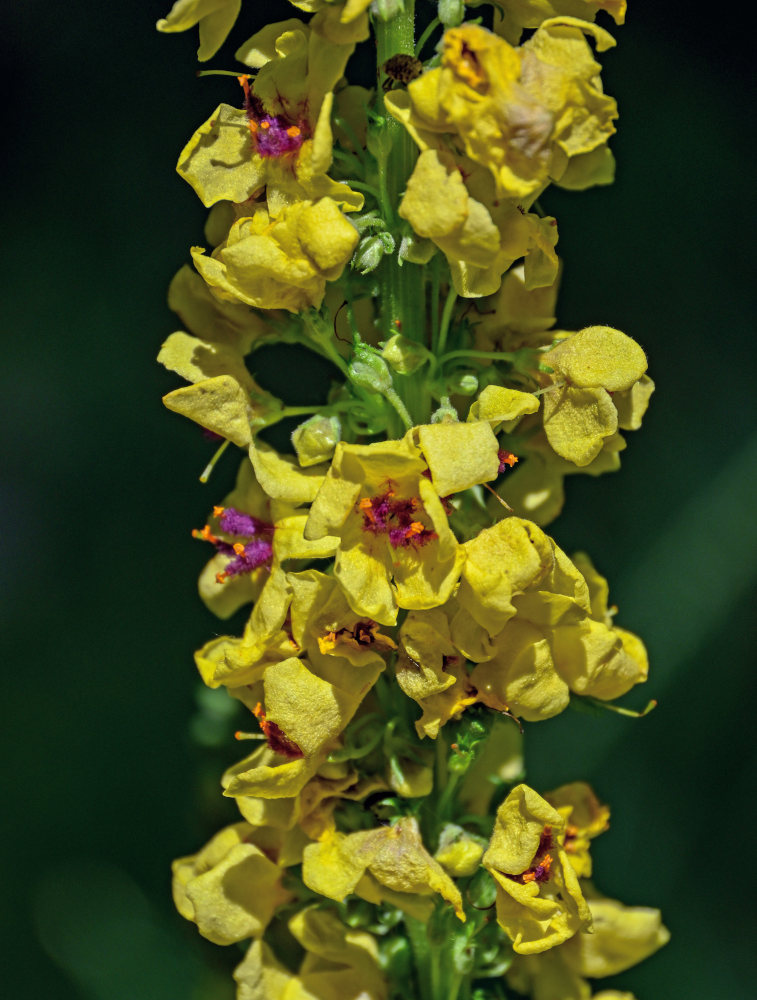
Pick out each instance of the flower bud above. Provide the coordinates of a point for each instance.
(370, 251)
(385, 10)
(462, 384)
(369, 370)
(405, 356)
(459, 852)
(314, 440)
(451, 12)
(446, 414)
(379, 140)
(415, 249)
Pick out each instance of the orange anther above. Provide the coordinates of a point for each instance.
(366, 505)
(244, 83)
(205, 534)
(221, 577)
(239, 548)
(416, 528)
(217, 511)
(265, 124)
(293, 131)
(529, 876)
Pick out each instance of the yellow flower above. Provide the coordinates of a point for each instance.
(579, 409)
(396, 549)
(539, 900)
(339, 962)
(302, 708)
(323, 620)
(223, 397)
(534, 489)
(620, 937)
(389, 863)
(430, 670)
(215, 17)
(586, 818)
(479, 234)
(310, 813)
(523, 114)
(281, 139)
(517, 316)
(284, 262)
(231, 888)
(519, 14)
(254, 535)
(530, 628)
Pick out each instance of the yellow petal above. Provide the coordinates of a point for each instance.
(459, 455)
(623, 936)
(218, 404)
(498, 404)
(282, 478)
(577, 421)
(219, 161)
(501, 561)
(598, 356)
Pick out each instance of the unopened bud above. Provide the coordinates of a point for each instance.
(369, 370)
(446, 414)
(379, 140)
(416, 250)
(315, 440)
(404, 355)
(462, 384)
(370, 251)
(451, 12)
(385, 10)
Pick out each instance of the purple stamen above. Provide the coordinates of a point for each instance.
(256, 553)
(275, 136)
(236, 522)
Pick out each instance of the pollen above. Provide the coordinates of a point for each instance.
(250, 545)
(294, 131)
(506, 459)
(277, 740)
(387, 514)
(205, 534)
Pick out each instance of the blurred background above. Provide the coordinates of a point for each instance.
(109, 761)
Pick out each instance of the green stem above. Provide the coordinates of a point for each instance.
(350, 159)
(431, 28)
(349, 131)
(416, 932)
(360, 186)
(401, 288)
(476, 354)
(446, 318)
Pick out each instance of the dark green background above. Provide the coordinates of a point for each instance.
(100, 491)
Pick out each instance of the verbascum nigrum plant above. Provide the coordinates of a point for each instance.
(408, 615)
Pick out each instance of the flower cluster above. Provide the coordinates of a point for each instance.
(406, 614)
